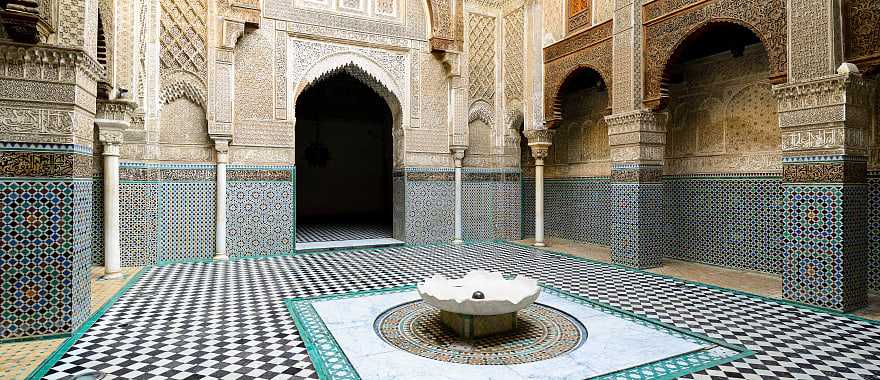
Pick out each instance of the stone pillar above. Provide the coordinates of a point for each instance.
(222, 148)
(824, 169)
(539, 141)
(458, 156)
(111, 142)
(112, 118)
(823, 115)
(637, 141)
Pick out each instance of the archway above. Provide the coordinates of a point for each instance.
(577, 167)
(723, 158)
(344, 160)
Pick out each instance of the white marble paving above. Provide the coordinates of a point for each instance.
(339, 244)
(612, 344)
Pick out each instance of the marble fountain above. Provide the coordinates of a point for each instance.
(481, 303)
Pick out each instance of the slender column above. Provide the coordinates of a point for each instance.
(112, 268)
(222, 147)
(540, 141)
(458, 156)
(539, 202)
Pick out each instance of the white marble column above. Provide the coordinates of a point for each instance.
(458, 156)
(540, 141)
(222, 147)
(111, 140)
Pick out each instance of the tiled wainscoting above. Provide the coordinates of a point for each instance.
(490, 204)
(732, 221)
(874, 231)
(167, 212)
(45, 238)
(260, 210)
(574, 208)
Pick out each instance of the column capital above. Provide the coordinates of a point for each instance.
(540, 141)
(637, 137)
(458, 152)
(221, 146)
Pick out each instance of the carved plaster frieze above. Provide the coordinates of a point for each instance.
(47, 63)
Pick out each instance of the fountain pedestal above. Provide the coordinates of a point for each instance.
(477, 326)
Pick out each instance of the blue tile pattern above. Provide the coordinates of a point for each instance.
(825, 265)
(574, 208)
(259, 218)
(430, 211)
(139, 215)
(637, 230)
(186, 223)
(45, 255)
(874, 231)
(727, 221)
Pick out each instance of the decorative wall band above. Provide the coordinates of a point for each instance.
(70, 148)
(25, 164)
(490, 177)
(259, 175)
(825, 172)
(167, 175)
(637, 175)
(430, 176)
(832, 158)
(723, 176)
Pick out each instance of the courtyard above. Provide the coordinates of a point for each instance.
(231, 320)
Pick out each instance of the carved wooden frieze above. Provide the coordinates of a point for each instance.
(588, 49)
(667, 23)
(861, 20)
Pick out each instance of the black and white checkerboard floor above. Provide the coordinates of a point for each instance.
(227, 320)
(319, 232)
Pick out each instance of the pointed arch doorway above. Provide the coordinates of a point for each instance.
(344, 161)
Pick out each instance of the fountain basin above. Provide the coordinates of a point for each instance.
(481, 303)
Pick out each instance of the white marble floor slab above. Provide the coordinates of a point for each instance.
(612, 344)
(340, 244)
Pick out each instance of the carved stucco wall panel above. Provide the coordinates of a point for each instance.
(253, 68)
(722, 118)
(481, 57)
(554, 21)
(183, 40)
(668, 24)
(580, 145)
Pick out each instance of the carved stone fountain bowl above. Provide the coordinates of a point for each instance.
(501, 296)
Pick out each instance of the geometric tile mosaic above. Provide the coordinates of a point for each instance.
(259, 218)
(490, 205)
(732, 222)
(874, 231)
(138, 223)
(225, 320)
(637, 227)
(430, 211)
(98, 221)
(576, 209)
(45, 252)
(186, 220)
(825, 265)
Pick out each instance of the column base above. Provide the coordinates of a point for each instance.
(458, 241)
(539, 244)
(221, 257)
(111, 276)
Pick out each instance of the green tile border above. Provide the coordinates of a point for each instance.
(667, 368)
(44, 367)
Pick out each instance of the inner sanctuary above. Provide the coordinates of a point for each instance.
(440, 189)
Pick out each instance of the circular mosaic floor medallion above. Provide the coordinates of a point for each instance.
(542, 333)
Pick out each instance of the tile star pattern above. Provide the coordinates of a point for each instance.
(228, 320)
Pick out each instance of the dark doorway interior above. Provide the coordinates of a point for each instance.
(343, 162)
